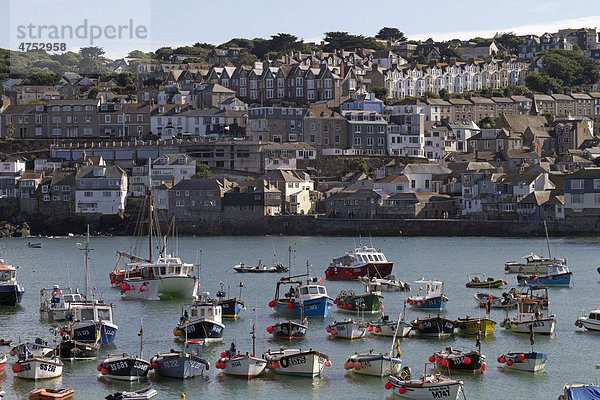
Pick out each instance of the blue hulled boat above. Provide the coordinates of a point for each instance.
(558, 275)
(93, 322)
(181, 364)
(231, 308)
(433, 299)
(303, 299)
(11, 292)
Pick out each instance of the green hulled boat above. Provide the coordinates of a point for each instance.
(371, 301)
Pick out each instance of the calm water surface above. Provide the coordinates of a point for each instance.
(572, 353)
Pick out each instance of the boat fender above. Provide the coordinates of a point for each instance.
(284, 362)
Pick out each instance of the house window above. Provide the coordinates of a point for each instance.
(596, 183)
(46, 197)
(88, 194)
(576, 198)
(413, 184)
(597, 198)
(187, 193)
(577, 184)
(106, 194)
(180, 203)
(66, 197)
(427, 183)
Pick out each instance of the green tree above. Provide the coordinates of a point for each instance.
(346, 41)
(450, 52)
(393, 34)
(116, 99)
(380, 92)
(90, 66)
(10, 130)
(572, 67)
(43, 79)
(358, 164)
(540, 82)
(244, 59)
(284, 42)
(511, 42)
(163, 53)
(487, 122)
(203, 172)
(93, 93)
(93, 52)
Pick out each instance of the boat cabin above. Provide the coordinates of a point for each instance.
(595, 315)
(528, 310)
(372, 287)
(432, 288)
(557, 269)
(167, 266)
(8, 273)
(94, 312)
(204, 308)
(361, 255)
(299, 291)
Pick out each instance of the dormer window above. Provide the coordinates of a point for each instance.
(177, 110)
(161, 110)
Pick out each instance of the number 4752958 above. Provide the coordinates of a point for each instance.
(58, 46)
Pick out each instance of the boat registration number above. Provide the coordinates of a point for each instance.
(236, 364)
(196, 365)
(439, 393)
(310, 308)
(118, 365)
(26, 367)
(538, 324)
(298, 360)
(48, 367)
(171, 363)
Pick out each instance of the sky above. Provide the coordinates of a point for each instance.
(168, 23)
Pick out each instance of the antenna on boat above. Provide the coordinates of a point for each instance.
(253, 335)
(141, 335)
(86, 249)
(198, 265)
(547, 240)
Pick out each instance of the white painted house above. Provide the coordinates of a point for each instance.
(100, 190)
(420, 176)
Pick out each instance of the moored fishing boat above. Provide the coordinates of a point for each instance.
(93, 320)
(348, 329)
(125, 367)
(38, 368)
(373, 364)
(483, 282)
(533, 264)
(242, 365)
(556, 275)
(51, 394)
(531, 361)
(39, 348)
(181, 364)
(591, 322)
(288, 330)
(472, 326)
(362, 261)
(529, 315)
(260, 268)
(388, 283)
(56, 302)
(74, 350)
(232, 307)
(434, 326)
(11, 292)
(296, 362)
(427, 387)
(201, 320)
(507, 300)
(433, 297)
(3, 360)
(459, 360)
(387, 327)
(303, 298)
(368, 302)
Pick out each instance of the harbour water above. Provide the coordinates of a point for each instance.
(572, 352)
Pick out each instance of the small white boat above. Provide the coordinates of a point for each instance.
(591, 322)
(532, 361)
(147, 393)
(38, 368)
(57, 302)
(427, 387)
(378, 364)
(296, 362)
(243, 365)
(433, 297)
(388, 283)
(533, 264)
(529, 314)
(39, 348)
(507, 300)
(260, 268)
(347, 329)
(386, 327)
(36, 245)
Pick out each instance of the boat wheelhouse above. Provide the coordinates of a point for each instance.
(56, 302)
(201, 320)
(433, 297)
(308, 299)
(93, 322)
(11, 292)
(362, 261)
(530, 316)
(591, 322)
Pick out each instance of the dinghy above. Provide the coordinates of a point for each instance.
(51, 394)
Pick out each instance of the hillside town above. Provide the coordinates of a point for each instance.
(458, 130)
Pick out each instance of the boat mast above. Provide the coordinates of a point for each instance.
(253, 339)
(86, 249)
(150, 226)
(290, 262)
(141, 335)
(547, 240)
